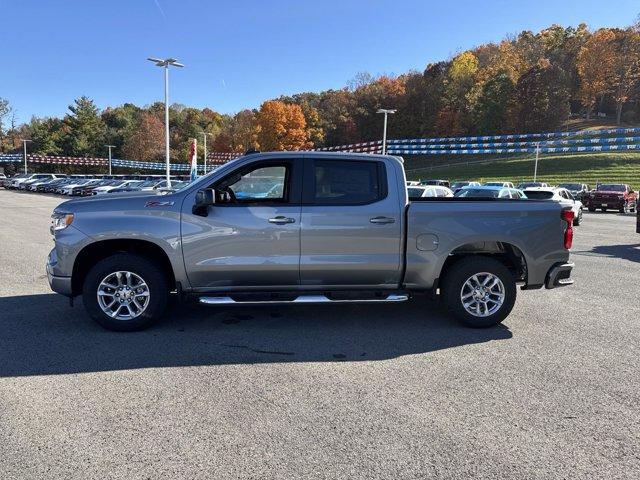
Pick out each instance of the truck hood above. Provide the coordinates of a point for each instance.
(120, 201)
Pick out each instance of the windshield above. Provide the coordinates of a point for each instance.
(478, 193)
(529, 185)
(538, 194)
(459, 184)
(571, 186)
(494, 184)
(611, 187)
(415, 192)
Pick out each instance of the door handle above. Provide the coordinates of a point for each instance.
(382, 220)
(280, 220)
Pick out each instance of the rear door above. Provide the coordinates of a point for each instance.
(351, 224)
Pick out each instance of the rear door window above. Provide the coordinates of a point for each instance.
(337, 182)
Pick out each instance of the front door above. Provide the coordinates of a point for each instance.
(251, 236)
(351, 225)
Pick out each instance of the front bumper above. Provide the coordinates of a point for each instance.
(559, 275)
(614, 203)
(58, 284)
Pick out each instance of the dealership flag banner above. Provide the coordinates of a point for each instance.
(193, 157)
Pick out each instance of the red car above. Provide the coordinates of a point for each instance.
(613, 196)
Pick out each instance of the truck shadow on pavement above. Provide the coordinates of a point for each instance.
(624, 252)
(43, 335)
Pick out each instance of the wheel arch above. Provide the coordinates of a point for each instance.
(94, 252)
(505, 252)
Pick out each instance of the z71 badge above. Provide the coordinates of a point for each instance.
(156, 203)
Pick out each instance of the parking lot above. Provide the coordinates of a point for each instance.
(392, 391)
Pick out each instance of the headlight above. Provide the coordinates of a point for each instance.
(60, 221)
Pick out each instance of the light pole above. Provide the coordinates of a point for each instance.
(24, 150)
(166, 63)
(110, 147)
(204, 134)
(386, 112)
(535, 168)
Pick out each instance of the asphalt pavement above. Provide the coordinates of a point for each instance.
(392, 391)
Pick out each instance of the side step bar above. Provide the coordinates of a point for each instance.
(394, 297)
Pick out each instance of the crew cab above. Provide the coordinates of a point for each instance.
(613, 196)
(304, 227)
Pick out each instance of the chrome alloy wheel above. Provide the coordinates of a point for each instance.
(482, 294)
(123, 295)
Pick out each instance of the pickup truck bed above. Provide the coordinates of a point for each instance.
(294, 227)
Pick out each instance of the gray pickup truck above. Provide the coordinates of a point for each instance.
(304, 227)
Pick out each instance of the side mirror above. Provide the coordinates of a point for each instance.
(204, 198)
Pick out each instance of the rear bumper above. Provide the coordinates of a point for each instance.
(559, 276)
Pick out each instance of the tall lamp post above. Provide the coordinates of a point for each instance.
(24, 150)
(386, 112)
(166, 63)
(535, 168)
(204, 134)
(110, 147)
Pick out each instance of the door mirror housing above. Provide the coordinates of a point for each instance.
(204, 198)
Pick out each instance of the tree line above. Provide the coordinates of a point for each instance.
(525, 83)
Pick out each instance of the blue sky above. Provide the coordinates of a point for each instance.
(240, 53)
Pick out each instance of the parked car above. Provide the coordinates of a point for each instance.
(346, 233)
(488, 191)
(17, 179)
(35, 178)
(613, 196)
(44, 186)
(560, 195)
(412, 183)
(525, 185)
(33, 186)
(579, 191)
(117, 184)
(441, 183)
(458, 185)
(499, 184)
(88, 189)
(423, 191)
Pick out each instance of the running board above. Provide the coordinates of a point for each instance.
(394, 297)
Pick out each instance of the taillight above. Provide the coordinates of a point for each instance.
(567, 216)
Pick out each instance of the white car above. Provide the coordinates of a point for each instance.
(412, 183)
(499, 184)
(35, 178)
(81, 182)
(429, 191)
(560, 195)
(122, 184)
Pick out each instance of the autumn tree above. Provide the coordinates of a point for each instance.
(490, 109)
(595, 64)
(541, 98)
(146, 142)
(626, 68)
(281, 126)
(5, 111)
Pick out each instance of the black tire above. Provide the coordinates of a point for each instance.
(603, 209)
(154, 277)
(578, 220)
(463, 270)
(592, 209)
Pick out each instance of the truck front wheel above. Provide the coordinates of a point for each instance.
(479, 291)
(125, 292)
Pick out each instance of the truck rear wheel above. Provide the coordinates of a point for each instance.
(479, 291)
(125, 292)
